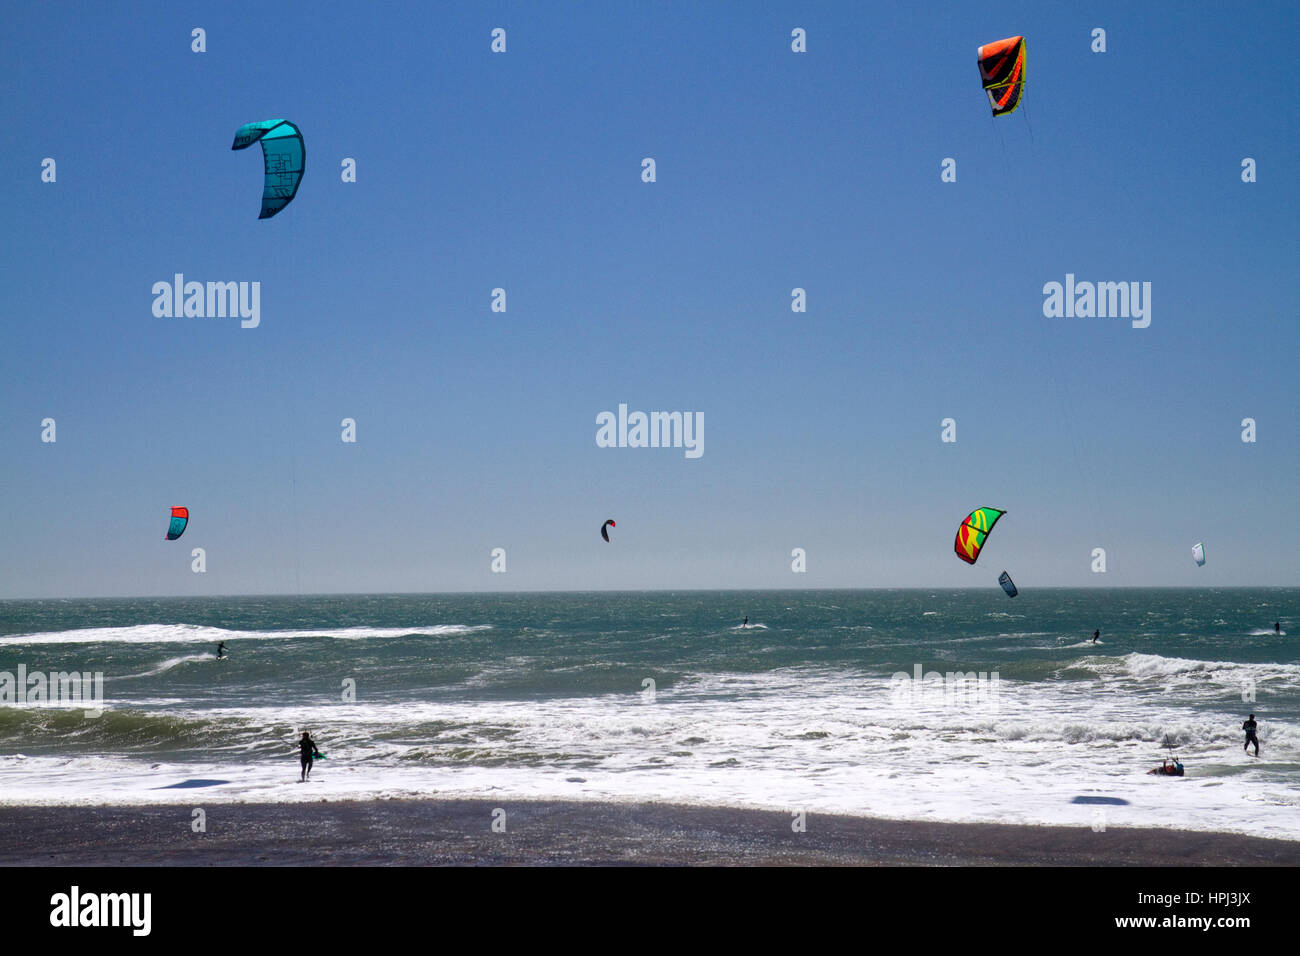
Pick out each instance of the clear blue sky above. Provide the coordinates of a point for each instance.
(775, 170)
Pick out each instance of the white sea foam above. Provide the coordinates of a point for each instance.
(817, 739)
(1165, 673)
(169, 664)
(200, 634)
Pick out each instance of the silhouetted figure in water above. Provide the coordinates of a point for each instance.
(1250, 727)
(307, 750)
(1170, 768)
(1277, 627)
(221, 650)
(746, 622)
(1096, 634)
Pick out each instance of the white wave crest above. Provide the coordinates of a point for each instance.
(202, 634)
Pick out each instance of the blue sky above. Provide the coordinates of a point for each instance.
(775, 170)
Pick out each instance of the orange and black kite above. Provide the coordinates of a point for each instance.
(1002, 71)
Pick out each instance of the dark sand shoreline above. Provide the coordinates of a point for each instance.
(433, 832)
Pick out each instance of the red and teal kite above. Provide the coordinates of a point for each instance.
(973, 531)
(180, 518)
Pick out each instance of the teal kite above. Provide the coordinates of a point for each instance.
(286, 159)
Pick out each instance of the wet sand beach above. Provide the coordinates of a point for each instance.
(547, 833)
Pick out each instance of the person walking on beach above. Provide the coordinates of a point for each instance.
(221, 650)
(1096, 634)
(307, 750)
(1249, 727)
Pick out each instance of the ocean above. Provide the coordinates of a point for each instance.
(665, 696)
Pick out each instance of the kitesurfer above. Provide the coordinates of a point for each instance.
(307, 749)
(1096, 634)
(746, 621)
(1277, 627)
(221, 650)
(1250, 727)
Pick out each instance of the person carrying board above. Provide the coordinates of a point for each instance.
(307, 750)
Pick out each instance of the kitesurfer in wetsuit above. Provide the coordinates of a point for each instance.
(746, 621)
(1096, 634)
(307, 748)
(1277, 627)
(1250, 727)
(221, 650)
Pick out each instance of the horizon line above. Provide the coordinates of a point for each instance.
(696, 590)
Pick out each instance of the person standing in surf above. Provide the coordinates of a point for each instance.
(745, 623)
(1250, 727)
(1277, 627)
(307, 750)
(221, 650)
(1096, 634)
